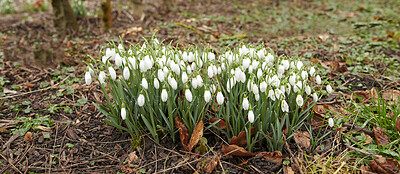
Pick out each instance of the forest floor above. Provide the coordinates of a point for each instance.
(48, 122)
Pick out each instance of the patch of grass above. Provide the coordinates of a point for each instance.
(31, 123)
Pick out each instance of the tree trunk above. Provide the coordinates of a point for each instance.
(64, 18)
(106, 11)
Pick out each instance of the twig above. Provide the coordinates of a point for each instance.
(10, 163)
(291, 154)
(347, 144)
(357, 128)
(34, 91)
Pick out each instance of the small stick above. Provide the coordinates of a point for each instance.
(347, 144)
(358, 128)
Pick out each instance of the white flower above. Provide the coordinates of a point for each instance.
(312, 71)
(161, 75)
(259, 73)
(271, 94)
(126, 73)
(318, 79)
(281, 69)
(299, 64)
(296, 88)
(299, 100)
(219, 70)
(250, 116)
(207, 96)
(164, 95)
(304, 75)
(299, 84)
(257, 97)
(288, 89)
(110, 54)
(210, 72)
(315, 97)
(246, 63)
(263, 86)
(91, 71)
(123, 113)
(132, 61)
(173, 83)
(245, 104)
(142, 66)
(286, 64)
(292, 79)
(189, 69)
(102, 77)
(194, 83)
(270, 58)
(118, 60)
(331, 122)
(148, 62)
(308, 90)
(329, 89)
(215, 69)
(141, 100)
(112, 73)
(284, 106)
(188, 95)
(279, 94)
(199, 81)
(220, 98)
(184, 77)
(88, 78)
(121, 47)
(144, 83)
(156, 83)
(175, 68)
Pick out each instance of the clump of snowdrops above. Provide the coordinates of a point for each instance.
(248, 89)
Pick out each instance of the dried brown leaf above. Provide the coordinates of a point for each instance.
(366, 170)
(302, 138)
(272, 156)
(28, 137)
(289, 170)
(196, 135)
(29, 85)
(380, 136)
(235, 150)
(241, 139)
(221, 123)
(183, 132)
(398, 124)
(384, 165)
(4, 130)
(212, 164)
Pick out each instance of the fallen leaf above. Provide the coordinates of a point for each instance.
(335, 66)
(29, 85)
(221, 123)
(368, 139)
(302, 138)
(314, 60)
(43, 128)
(384, 165)
(272, 156)
(212, 164)
(392, 95)
(366, 170)
(398, 124)
(4, 130)
(7, 91)
(289, 170)
(380, 136)
(132, 158)
(183, 132)
(196, 135)
(241, 139)
(28, 137)
(235, 150)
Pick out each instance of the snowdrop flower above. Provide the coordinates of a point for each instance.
(104, 59)
(261, 53)
(246, 63)
(281, 69)
(296, 89)
(193, 66)
(299, 64)
(142, 66)
(91, 71)
(329, 89)
(210, 72)
(189, 69)
(299, 84)
(144, 83)
(112, 73)
(173, 83)
(250, 116)
(259, 73)
(254, 88)
(220, 98)
(207, 96)
(331, 122)
(271, 94)
(219, 70)
(121, 47)
(257, 97)
(160, 75)
(175, 68)
(315, 97)
(318, 79)
(304, 75)
(123, 112)
(286, 64)
(299, 100)
(191, 57)
(102, 77)
(165, 70)
(279, 94)
(141, 100)
(88, 78)
(269, 58)
(308, 90)
(118, 60)
(126, 73)
(184, 77)
(199, 81)
(263, 86)
(194, 83)
(292, 79)
(284, 106)
(215, 69)
(132, 61)
(156, 83)
(110, 54)
(164, 95)
(312, 71)
(288, 89)
(188, 95)
(245, 104)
